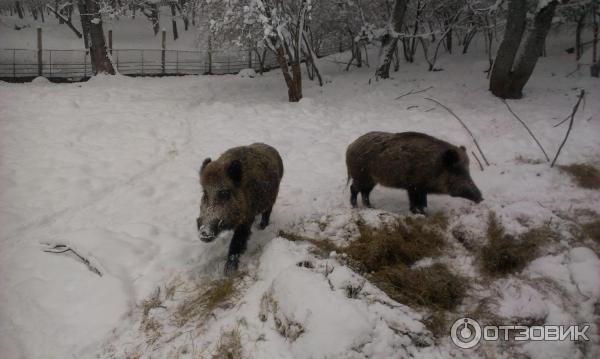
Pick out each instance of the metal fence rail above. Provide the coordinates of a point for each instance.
(74, 65)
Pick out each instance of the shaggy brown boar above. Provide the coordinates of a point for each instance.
(240, 184)
(417, 162)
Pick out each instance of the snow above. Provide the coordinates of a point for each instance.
(247, 73)
(109, 167)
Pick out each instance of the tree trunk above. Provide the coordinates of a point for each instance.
(19, 9)
(42, 14)
(578, 46)
(173, 14)
(532, 48)
(515, 26)
(154, 18)
(390, 40)
(293, 81)
(595, 31)
(92, 21)
(449, 39)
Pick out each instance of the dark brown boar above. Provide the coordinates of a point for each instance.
(242, 183)
(417, 162)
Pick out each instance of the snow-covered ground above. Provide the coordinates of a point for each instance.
(109, 167)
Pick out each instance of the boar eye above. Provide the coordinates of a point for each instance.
(224, 194)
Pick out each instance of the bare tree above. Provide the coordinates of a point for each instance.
(389, 41)
(91, 22)
(510, 72)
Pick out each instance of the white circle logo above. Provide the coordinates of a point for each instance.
(465, 333)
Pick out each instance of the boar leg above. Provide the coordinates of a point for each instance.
(422, 204)
(417, 200)
(364, 194)
(264, 219)
(237, 247)
(364, 187)
(353, 194)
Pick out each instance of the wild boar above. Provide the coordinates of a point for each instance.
(242, 183)
(417, 162)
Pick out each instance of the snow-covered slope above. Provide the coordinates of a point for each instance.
(109, 167)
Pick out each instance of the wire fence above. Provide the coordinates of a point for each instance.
(75, 65)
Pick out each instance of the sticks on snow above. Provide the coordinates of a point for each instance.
(463, 125)
(62, 248)
(581, 96)
(528, 130)
(478, 161)
(412, 92)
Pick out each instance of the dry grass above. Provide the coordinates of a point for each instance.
(527, 160)
(216, 294)
(434, 287)
(152, 329)
(385, 254)
(438, 324)
(150, 326)
(323, 247)
(504, 254)
(592, 230)
(400, 242)
(229, 346)
(585, 175)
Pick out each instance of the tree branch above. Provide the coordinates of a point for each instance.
(465, 126)
(581, 96)
(62, 248)
(528, 130)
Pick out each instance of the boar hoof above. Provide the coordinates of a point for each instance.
(419, 210)
(231, 265)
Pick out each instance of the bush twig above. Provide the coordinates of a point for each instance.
(412, 92)
(62, 248)
(465, 126)
(581, 96)
(528, 130)
(478, 161)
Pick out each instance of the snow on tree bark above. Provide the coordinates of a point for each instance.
(509, 72)
(390, 40)
(91, 19)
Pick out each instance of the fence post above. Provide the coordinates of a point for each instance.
(177, 61)
(228, 70)
(209, 55)
(14, 63)
(163, 46)
(249, 59)
(85, 63)
(110, 47)
(142, 51)
(39, 46)
(50, 63)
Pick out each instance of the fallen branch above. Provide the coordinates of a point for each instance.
(581, 95)
(465, 126)
(562, 121)
(478, 161)
(528, 130)
(66, 20)
(62, 248)
(412, 92)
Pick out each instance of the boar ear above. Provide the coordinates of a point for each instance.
(463, 148)
(450, 157)
(234, 171)
(204, 163)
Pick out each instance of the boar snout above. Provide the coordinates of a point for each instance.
(467, 191)
(206, 234)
